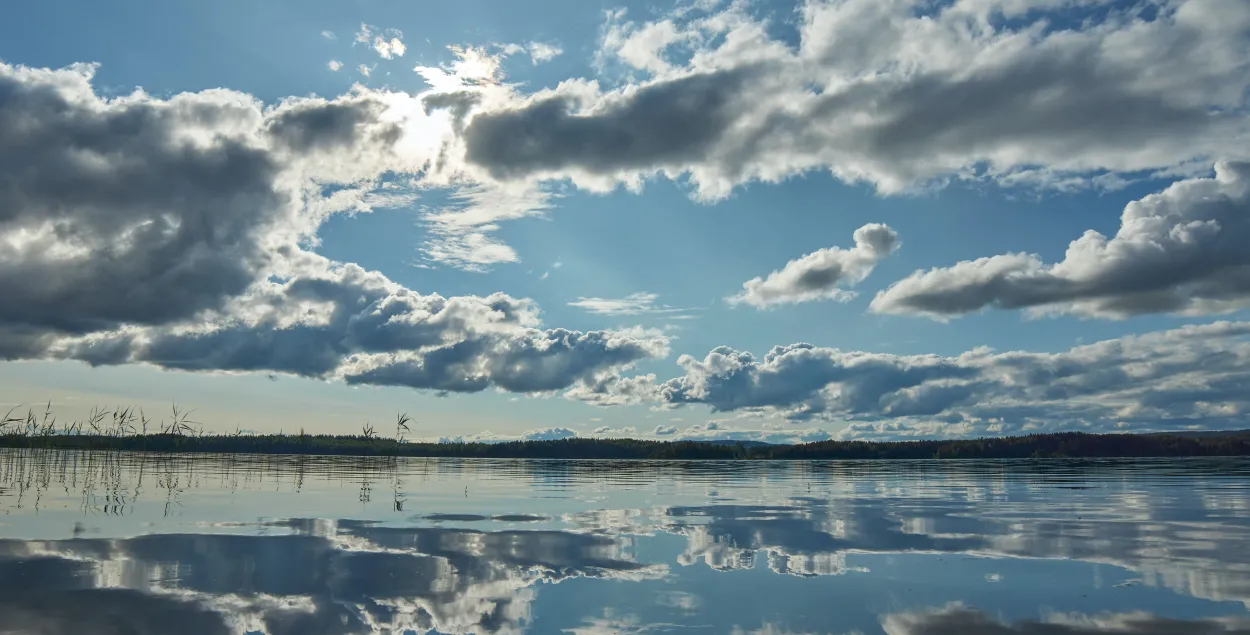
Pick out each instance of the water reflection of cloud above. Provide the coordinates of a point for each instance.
(1181, 525)
(343, 577)
(1194, 553)
(960, 620)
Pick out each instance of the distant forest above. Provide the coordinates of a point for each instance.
(1073, 444)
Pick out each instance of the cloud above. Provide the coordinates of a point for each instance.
(461, 230)
(388, 45)
(957, 619)
(548, 434)
(1181, 250)
(329, 35)
(528, 362)
(334, 65)
(319, 576)
(365, 70)
(632, 304)
(890, 94)
(716, 431)
(538, 52)
(175, 232)
(614, 390)
(821, 274)
(542, 52)
(664, 431)
(1190, 377)
(486, 436)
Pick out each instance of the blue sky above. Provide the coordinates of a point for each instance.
(635, 166)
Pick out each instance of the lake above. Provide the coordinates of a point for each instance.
(197, 544)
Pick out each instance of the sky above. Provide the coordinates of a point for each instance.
(778, 221)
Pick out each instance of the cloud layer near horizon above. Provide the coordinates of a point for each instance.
(1192, 376)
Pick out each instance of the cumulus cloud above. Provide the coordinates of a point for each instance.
(334, 65)
(329, 35)
(541, 52)
(1181, 250)
(958, 619)
(664, 431)
(822, 274)
(174, 232)
(388, 44)
(614, 390)
(717, 431)
(548, 434)
(898, 94)
(1193, 376)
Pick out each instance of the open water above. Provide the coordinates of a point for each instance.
(145, 544)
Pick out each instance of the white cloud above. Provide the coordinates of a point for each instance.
(878, 92)
(365, 70)
(1182, 250)
(548, 434)
(822, 274)
(633, 304)
(544, 52)
(1190, 377)
(716, 431)
(461, 231)
(334, 65)
(664, 431)
(389, 49)
(538, 52)
(388, 44)
(329, 35)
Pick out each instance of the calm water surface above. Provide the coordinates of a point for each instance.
(131, 543)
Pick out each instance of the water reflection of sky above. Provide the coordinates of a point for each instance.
(114, 543)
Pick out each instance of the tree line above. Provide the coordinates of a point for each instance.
(1057, 445)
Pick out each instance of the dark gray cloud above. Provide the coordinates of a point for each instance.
(659, 125)
(115, 213)
(1188, 377)
(797, 376)
(1179, 251)
(142, 211)
(312, 125)
(357, 325)
(822, 274)
(931, 94)
(527, 361)
(960, 620)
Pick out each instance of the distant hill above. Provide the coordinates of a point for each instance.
(1203, 434)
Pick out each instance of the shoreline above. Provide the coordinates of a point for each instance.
(1057, 445)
